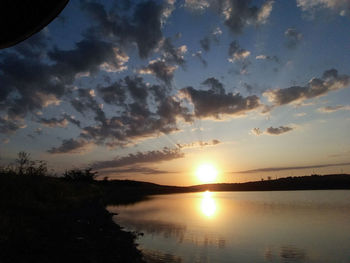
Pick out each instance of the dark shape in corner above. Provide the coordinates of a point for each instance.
(19, 19)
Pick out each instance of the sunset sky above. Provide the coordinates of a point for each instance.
(150, 90)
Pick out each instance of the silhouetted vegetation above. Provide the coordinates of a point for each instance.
(48, 219)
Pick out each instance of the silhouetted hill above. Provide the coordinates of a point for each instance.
(126, 190)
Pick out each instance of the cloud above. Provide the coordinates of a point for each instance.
(266, 57)
(157, 156)
(172, 54)
(29, 84)
(160, 69)
(236, 52)
(71, 146)
(277, 169)
(215, 102)
(198, 144)
(144, 111)
(271, 130)
(54, 122)
(293, 38)
(240, 13)
(8, 126)
(316, 87)
(88, 57)
(197, 5)
(256, 131)
(278, 130)
(342, 7)
(132, 170)
(205, 43)
(140, 23)
(330, 109)
(237, 13)
(198, 55)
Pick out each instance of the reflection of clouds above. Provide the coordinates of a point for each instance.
(286, 254)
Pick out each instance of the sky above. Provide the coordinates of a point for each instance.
(150, 90)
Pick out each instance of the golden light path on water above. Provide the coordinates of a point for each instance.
(208, 205)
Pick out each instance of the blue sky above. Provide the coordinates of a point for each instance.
(149, 90)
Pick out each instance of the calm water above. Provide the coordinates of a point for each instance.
(286, 226)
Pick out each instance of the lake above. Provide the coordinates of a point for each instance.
(279, 226)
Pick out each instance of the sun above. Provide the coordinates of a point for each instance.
(206, 173)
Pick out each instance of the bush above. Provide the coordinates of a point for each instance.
(79, 175)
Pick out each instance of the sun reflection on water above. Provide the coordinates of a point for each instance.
(208, 205)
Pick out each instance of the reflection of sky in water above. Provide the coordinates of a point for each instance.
(295, 226)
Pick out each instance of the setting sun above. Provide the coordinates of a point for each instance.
(206, 173)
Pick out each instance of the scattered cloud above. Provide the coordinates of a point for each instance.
(256, 131)
(215, 102)
(198, 55)
(266, 57)
(330, 109)
(278, 130)
(237, 14)
(132, 170)
(165, 154)
(277, 169)
(293, 37)
(236, 52)
(271, 130)
(71, 146)
(160, 69)
(342, 7)
(8, 126)
(316, 87)
(197, 144)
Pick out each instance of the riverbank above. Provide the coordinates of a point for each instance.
(45, 219)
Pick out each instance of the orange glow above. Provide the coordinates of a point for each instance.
(208, 205)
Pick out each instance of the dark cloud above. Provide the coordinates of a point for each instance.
(53, 122)
(237, 13)
(88, 57)
(293, 37)
(216, 102)
(29, 85)
(316, 87)
(277, 169)
(197, 144)
(240, 13)
(173, 55)
(140, 23)
(113, 94)
(143, 111)
(8, 126)
(160, 69)
(71, 146)
(205, 43)
(165, 154)
(59, 122)
(278, 130)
